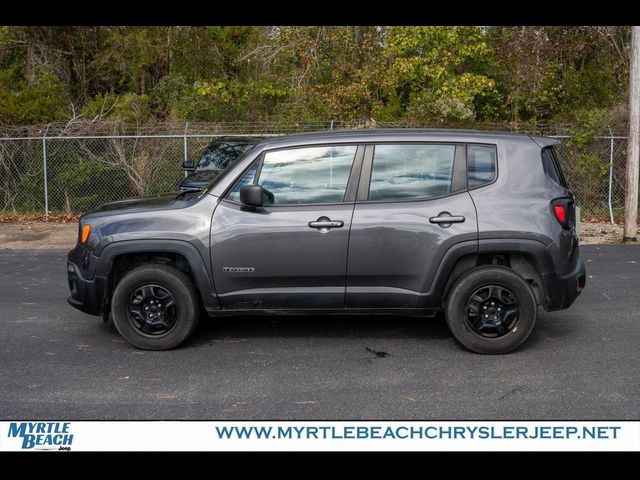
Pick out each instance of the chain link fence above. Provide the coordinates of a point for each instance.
(595, 171)
(73, 169)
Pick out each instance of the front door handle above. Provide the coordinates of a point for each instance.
(324, 224)
(445, 219)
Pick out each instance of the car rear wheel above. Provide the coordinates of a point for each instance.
(155, 307)
(491, 310)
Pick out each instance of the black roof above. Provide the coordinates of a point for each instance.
(378, 133)
(239, 139)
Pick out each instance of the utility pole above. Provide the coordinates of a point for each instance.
(633, 149)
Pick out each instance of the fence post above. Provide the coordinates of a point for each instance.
(611, 175)
(185, 145)
(44, 171)
(633, 142)
(331, 125)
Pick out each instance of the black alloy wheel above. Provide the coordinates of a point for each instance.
(155, 306)
(152, 310)
(492, 311)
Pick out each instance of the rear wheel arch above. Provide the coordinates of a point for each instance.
(529, 263)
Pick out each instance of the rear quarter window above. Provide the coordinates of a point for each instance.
(551, 166)
(481, 165)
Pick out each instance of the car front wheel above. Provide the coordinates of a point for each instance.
(491, 310)
(155, 307)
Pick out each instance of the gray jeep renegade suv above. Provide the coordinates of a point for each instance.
(407, 222)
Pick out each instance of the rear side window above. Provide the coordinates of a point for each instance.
(481, 164)
(552, 166)
(411, 171)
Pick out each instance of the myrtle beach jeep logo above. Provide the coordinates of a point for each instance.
(42, 435)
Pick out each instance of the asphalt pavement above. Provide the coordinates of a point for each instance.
(58, 363)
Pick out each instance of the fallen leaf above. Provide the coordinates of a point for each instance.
(411, 399)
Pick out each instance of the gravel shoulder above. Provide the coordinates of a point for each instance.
(33, 235)
(598, 233)
(38, 235)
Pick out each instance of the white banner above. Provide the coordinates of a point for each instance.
(320, 436)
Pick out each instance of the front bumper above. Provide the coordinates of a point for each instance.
(87, 295)
(562, 290)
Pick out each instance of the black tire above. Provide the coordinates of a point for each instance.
(185, 309)
(462, 317)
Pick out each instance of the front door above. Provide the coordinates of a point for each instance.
(412, 206)
(292, 252)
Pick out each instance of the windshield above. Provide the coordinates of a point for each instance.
(230, 166)
(218, 155)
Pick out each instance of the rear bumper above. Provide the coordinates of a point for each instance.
(561, 291)
(88, 296)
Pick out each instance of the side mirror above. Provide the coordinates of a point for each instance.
(252, 195)
(188, 166)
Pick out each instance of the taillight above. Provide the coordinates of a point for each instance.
(563, 211)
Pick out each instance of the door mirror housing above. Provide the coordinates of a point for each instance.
(252, 195)
(189, 166)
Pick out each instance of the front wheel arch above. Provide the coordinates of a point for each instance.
(177, 251)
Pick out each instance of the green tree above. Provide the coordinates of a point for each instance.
(434, 75)
(438, 73)
(558, 73)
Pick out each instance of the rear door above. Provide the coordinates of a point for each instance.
(412, 205)
(291, 253)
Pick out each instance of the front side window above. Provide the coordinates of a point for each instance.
(481, 164)
(307, 175)
(402, 172)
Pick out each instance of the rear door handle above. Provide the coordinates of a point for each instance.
(445, 219)
(454, 219)
(324, 224)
